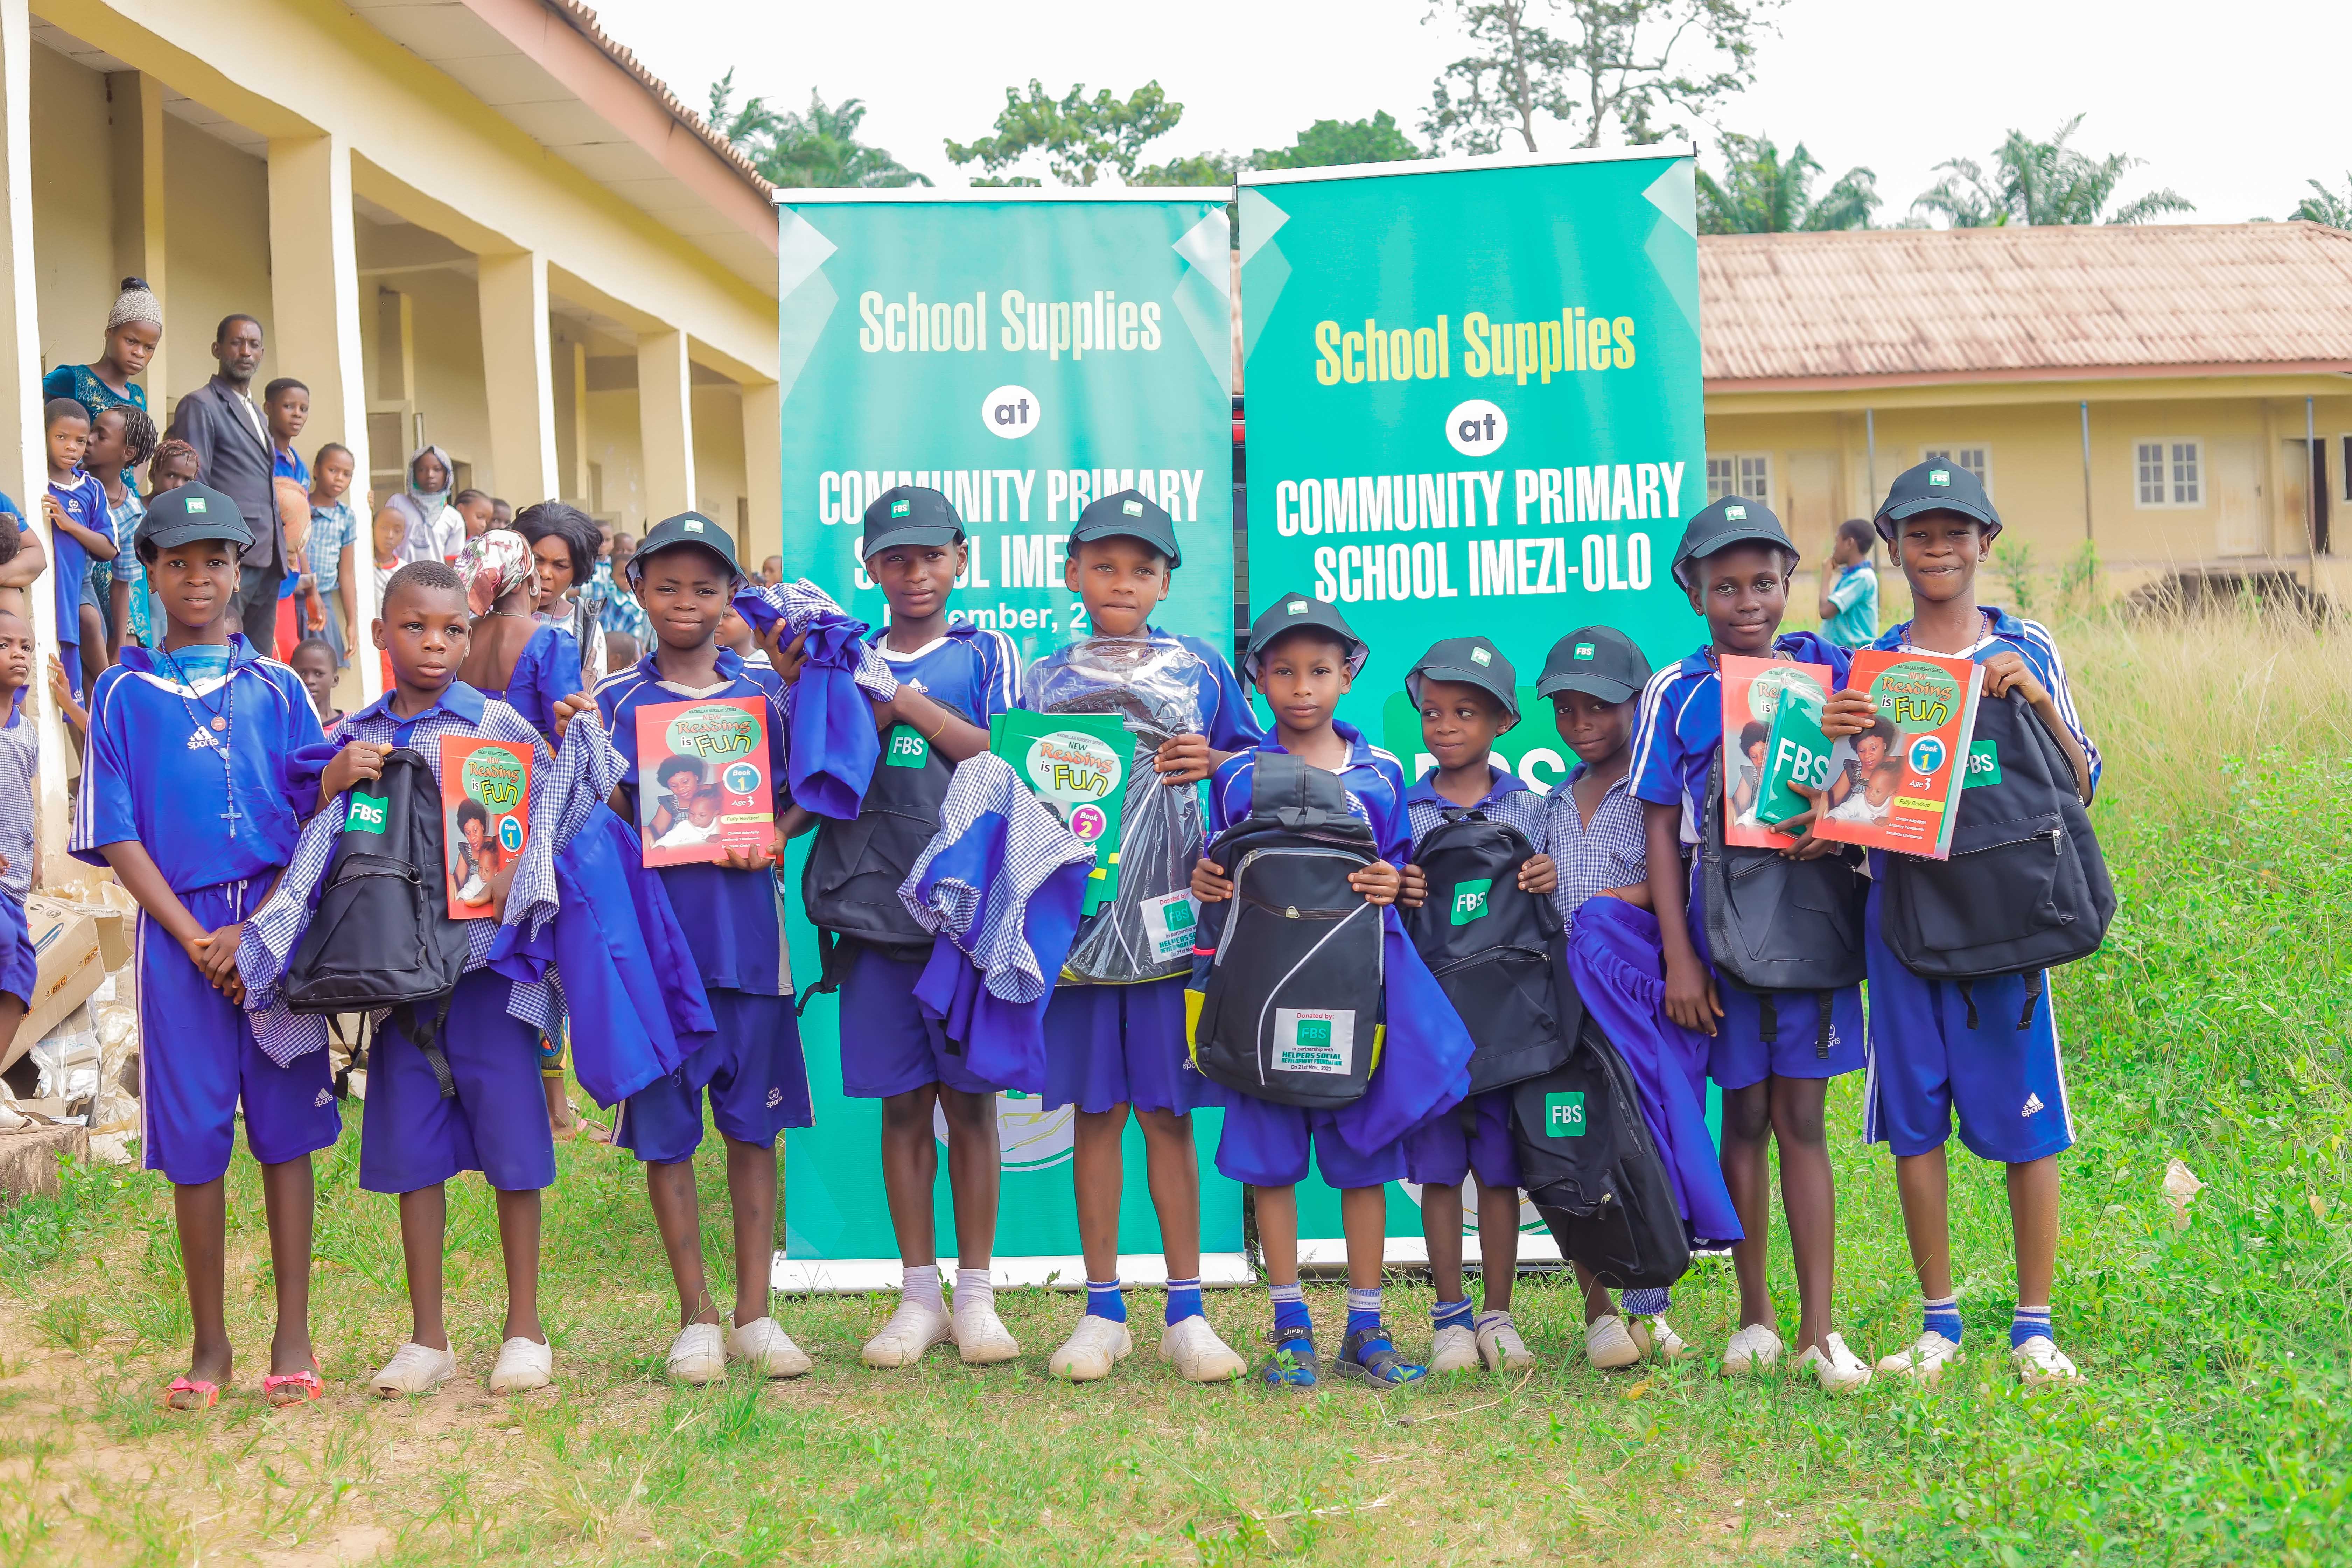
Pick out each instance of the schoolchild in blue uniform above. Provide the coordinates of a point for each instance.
(1467, 694)
(20, 764)
(953, 680)
(731, 911)
(1734, 562)
(1303, 657)
(1110, 1048)
(1928, 1060)
(82, 527)
(192, 793)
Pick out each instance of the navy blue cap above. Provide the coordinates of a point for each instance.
(1290, 613)
(1722, 523)
(188, 512)
(1934, 486)
(1472, 661)
(685, 528)
(1129, 514)
(1600, 661)
(909, 514)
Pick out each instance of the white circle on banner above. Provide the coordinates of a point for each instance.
(1029, 1136)
(1477, 429)
(1011, 412)
(1528, 1218)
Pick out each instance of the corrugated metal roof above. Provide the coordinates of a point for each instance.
(1964, 303)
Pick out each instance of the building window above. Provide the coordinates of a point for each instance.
(1976, 458)
(1746, 474)
(2169, 471)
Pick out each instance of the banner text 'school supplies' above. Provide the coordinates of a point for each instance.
(703, 786)
(1909, 799)
(1076, 764)
(485, 816)
(1771, 740)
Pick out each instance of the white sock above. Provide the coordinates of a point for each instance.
(974, 1291)
(923, 1285)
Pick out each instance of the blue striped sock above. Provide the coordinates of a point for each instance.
(1364, 1312)
(1290, 1306)
(1943, 1318)
(1450, 1314)
(1184, 1299)
(2026, 1322)
(1106, 1300)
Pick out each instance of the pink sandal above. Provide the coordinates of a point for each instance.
(211, 1391)
(305, 1384)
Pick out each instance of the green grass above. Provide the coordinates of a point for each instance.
(2217, 1425)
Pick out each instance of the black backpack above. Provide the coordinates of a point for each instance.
(2025, 888)
(382, 937)
(1777, 925)
(1291, 1006)
(1589, 1165)
(849, 885)
(1497, 950)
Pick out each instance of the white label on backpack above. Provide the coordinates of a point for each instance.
(1168, 924)
(1314, 1039)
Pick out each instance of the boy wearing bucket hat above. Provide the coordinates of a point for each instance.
(1932, 1054)
(1734, 562)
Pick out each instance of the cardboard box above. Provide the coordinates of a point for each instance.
(72, 965)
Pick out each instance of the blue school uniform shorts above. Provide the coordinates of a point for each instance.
(199, 1066)
(20, 969)
(753, 1073)
(1267, 1145)
(1441, 1152)
(412, 1137)
(1121, 1045)
(889, 1043)
(1741, 1052)
(1927, 1062)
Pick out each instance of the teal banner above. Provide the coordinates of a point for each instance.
(1024, 352)
(1473, 406)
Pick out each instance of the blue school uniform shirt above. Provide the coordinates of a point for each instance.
(973, 669)
(1373, 778)
(732, 920)
(153, 770)
(1226, 718)
(2031, 641)
(545, 673)
(1853, 602)
(84, 500)
(1507, 800)
(1612, 850)
(1680, 724)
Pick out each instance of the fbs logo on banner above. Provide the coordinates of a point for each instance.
(1477, 429)
(1011, 412)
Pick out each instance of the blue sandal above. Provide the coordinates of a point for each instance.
(1294, 1361)
(1385, 1367)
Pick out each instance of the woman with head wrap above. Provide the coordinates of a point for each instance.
(512, 654)
(133, 328)
(430, 527)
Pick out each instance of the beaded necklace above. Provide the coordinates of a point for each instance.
(220, 734)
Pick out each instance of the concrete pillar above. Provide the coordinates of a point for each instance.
(518, 376)
(666, 422)
(763, 468)
(137, 132)
(578, 369)
(23, 466)
(314, 292)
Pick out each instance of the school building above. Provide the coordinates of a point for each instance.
(2179, 397)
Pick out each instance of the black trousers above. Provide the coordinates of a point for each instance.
(256, 606)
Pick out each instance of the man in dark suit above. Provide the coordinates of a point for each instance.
(232, 442)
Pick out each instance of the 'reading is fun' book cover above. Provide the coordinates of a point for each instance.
(703, 784)
(485, 817)
(1901, 788)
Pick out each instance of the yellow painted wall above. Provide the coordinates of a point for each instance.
(448, 338)
(216, 237)
(617, 445)
(718, 454)
(73, 210)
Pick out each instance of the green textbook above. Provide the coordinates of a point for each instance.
(1796, 753)
(1076, 764)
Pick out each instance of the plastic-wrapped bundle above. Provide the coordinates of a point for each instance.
(1144, 933)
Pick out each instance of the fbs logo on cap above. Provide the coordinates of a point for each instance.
(1736, 513)
(1480, 656)
(1939, 477)
(693, 527)
(1584, 650)
(1132, 508)
(1296, 607)
(193, 503)
(901, 507)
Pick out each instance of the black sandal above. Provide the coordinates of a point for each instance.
(1388, 1368)
(1294, 1362)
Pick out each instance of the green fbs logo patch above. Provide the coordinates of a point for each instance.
(368, 814)
(1131, 508)
(1984, 764)
(1296, 607)
(1584, 650)
(908, 748)
(901, 507)
(1564, 1115)
(1470, 900)
(1939, 476)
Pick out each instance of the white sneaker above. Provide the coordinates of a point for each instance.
(908, 1337)
(1665, 1344)
(1453, 1349)
(980, 1337)
(1608, 1345)
(1094, 1347)
(414, 1369)
(769, 1351)
(1499, 1345)
(1923, 1361)
(1751, 1348)
(699, 1355)
(2039, 1360)
(522, 1365)
(1193, 1348)
(1838, 1369)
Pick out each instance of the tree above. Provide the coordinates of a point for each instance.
(2040, 183)
(1082, 139)
(1618, 63)
(2323, 206)
(1331, 142)
(1762, 193)
(818, 148)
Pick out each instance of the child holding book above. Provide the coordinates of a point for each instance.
(1936, 1052)
(752, 1076)
(1734, 562)
(192, 793)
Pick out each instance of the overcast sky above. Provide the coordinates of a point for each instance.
(2208, 96)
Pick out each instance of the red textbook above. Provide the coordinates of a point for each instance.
(485, 817)
(703, 782)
